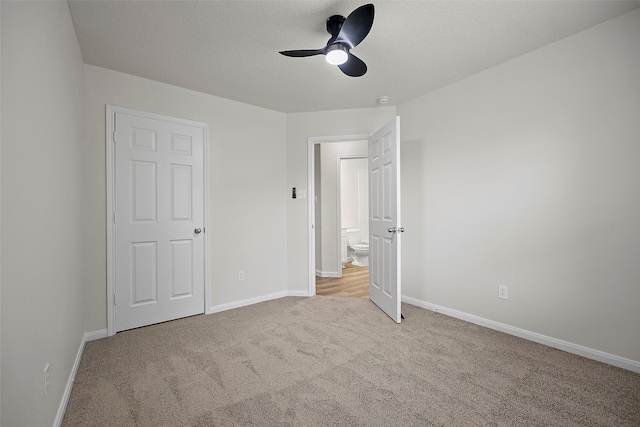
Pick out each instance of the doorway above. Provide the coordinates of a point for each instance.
(326, 237)
(383, 152)
(352, 208)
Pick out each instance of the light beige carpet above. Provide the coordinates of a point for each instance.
(326, 361)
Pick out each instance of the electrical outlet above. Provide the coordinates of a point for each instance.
(46, 379)
(240, 276)
(503, 292)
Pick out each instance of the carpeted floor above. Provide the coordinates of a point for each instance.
(326, 361)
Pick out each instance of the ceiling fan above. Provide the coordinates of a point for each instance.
(346, 33)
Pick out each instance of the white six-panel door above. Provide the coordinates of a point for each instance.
(384, 219)
(159, 221)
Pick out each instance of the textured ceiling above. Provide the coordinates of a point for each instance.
(230, 48)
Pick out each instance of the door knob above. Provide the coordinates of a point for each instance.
(197, 231)
(401, 229)
(391, 230)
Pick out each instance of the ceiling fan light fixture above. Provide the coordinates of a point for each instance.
(337, 54)
(346, 33)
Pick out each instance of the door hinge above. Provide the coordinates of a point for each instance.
(114, 299)
(114, 136)
(114, 217)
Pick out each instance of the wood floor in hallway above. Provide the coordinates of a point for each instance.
(353, 283)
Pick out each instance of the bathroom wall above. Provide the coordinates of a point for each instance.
(350, 197)
(363, 202)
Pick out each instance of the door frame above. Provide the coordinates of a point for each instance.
(111, 110)
(311, 205)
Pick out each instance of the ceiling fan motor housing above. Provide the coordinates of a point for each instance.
(334, 24)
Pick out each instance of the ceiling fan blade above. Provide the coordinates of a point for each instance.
(354, 66)
(357, 25)
(302, 53)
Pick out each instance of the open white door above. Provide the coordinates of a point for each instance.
(384, 219)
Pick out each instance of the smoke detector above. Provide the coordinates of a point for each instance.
(383, 100)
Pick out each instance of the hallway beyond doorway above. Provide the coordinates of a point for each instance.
(353, 283)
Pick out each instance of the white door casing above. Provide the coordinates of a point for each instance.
(384, 219)
(158, 219)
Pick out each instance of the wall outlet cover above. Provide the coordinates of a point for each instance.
(503, 292)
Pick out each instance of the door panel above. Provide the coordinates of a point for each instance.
(384, 221)
(159, 194)
(144, 282)
(143, 191)
(181, 266)
(181, 192)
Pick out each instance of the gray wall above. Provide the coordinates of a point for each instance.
(247, 169)
(528, 175)
(42, 210)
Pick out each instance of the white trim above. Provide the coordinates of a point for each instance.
(255, 300)
(62, 408)
(205, 224)
(95, 335)
(338, 260)
(328, 274)
(589, 353)
(110, 112)
(110, 154)
(311, 206)
(297, 294)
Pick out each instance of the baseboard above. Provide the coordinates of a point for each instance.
(256, 300)
(95, 335)
(589, 353)
(88, 336)
(298, 293)
(328, 273)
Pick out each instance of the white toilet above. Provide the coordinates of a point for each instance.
(358, 248)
